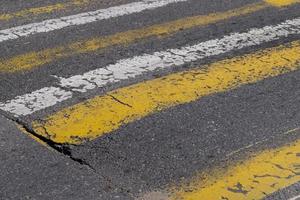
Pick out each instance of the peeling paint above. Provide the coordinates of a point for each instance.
(255, 178)
(144, 64)
(103, 114)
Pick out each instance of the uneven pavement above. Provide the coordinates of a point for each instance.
(32, 171)
(150, 99)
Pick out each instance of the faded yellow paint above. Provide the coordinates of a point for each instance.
(42, 10)
(34, 59)
(254, 178)
(282, 2)
(103, 114)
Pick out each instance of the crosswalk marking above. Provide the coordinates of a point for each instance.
(42, 10)
(132, 67)
(100, 115)
(34, 59)
(74, 120)
(82, 18)
(255, 178)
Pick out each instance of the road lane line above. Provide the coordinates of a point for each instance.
(42, 10)
(262, 174)
(34, 59)
(103, 114)
(82, 18)
(132, 67)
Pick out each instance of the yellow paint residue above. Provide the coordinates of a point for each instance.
(282, 2)
(100, 115)
(42, 10)
(34, 59)
(255, 178)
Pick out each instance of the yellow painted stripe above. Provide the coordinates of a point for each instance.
(252, 179)
(282, 2)
(42, 10)
(34, 59)
(103, 114)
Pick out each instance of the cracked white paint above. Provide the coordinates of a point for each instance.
(82, 18)
(29, 103)
(139, 65)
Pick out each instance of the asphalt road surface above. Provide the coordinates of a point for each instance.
(150, 99)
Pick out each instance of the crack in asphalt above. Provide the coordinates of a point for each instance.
(61, 148)
(64, 149)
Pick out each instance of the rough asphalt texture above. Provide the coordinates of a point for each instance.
(162, 148)
(31, 171)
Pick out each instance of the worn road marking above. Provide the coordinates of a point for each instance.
(100, 115)
(42, 10)
(34, 59)
(139, 65)
(45, 97)
(82, 18)
(255, 178)
(282, 2)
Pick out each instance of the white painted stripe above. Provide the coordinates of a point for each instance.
(139, 65)
(295, 198)
(82, 18)
(30, 103)
(132, 67)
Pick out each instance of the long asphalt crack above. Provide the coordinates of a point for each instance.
(64, 149)
(61, 148)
